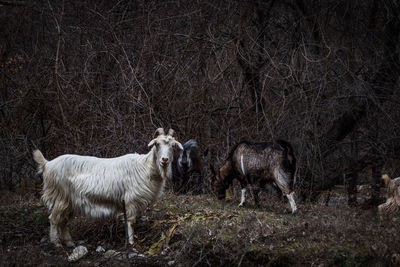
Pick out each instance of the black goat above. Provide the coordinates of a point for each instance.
(188, 169)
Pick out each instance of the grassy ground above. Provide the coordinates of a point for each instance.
(190, 230)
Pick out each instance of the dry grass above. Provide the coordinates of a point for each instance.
(200, 230)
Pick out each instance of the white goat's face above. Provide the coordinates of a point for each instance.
(164, 146)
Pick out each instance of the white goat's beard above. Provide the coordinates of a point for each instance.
(165, 172)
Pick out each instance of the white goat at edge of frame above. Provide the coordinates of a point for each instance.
(392, 204)
(96, 187)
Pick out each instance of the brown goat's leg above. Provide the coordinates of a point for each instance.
(243, 185)
(282, 182)
(256, 199)
(243, 197)
(292, 202)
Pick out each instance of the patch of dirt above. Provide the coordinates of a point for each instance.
(188, 230)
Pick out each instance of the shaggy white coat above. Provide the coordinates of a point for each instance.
(95, 187)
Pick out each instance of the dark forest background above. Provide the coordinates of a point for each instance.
(98, 77)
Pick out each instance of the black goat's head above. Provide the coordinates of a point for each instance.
(187, 156)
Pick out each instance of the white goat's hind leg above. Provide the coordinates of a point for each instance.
(54, 237)
(65, 235)
(68, 239)
(292, 202)
(243, 198)
(58, 221)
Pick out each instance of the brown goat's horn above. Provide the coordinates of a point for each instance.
(171, 132)
(158, 132)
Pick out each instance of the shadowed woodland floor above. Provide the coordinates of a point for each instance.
(191, 230)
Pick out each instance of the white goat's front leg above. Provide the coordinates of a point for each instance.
(292, 202)
(243, 198)
(131, 224)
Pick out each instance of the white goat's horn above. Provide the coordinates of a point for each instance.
(158, 132)
(171, 132)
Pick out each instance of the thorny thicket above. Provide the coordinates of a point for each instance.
(97, 77)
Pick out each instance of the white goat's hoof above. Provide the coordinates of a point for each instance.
(241, 205)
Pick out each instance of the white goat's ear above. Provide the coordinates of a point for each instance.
(179, 145)
(152, 142)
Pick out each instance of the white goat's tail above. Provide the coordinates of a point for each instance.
(40, 160)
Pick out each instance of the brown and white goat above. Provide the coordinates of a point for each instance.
(266, 162)
(97, 187)
(392, 204)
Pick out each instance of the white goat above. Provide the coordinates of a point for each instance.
(96, 187)
(392, 204)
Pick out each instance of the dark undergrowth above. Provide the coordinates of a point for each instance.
(191, 230)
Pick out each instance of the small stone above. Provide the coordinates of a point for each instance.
(77, 253)
(110, 253)
(171, 263)
(132, 255)
(100, 249)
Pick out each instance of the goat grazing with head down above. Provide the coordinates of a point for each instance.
(266, 162)
(96, 187)
(188, 169)
(392, 204)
